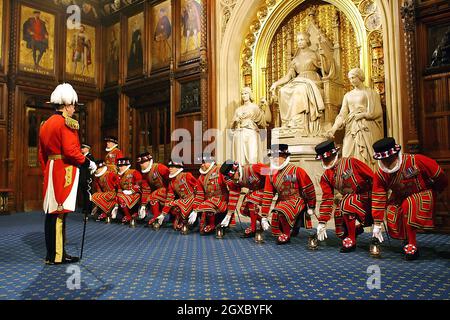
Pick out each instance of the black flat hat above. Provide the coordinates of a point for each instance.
(144, 157)
(175, 163)
(326, 149)
(123, 162)
(281, 149)
(205, 158)
(112, 139)
(385, 147)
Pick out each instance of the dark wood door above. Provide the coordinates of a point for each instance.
(435, 135)
(153, 134)
(32, 172)
(434, 97)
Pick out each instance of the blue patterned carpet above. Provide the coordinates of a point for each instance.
(125, 263)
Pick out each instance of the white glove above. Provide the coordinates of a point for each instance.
(142, 212)
(377, 233)
(160, 218)
(321, 232)
(114, 212)
(92, 166)
(192, 217)
(226, 221)
(310, 211)
(265, 224)
(127, 192)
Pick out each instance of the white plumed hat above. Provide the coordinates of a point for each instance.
(64, 94)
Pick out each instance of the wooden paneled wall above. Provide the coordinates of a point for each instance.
(433, 83)
(122, 99)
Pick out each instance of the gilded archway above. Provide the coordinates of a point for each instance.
(244, 38)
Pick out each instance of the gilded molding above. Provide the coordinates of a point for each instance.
(372, 29)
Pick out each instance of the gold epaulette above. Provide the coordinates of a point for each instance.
(71, 123)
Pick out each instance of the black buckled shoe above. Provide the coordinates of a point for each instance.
(70, 259)
(248, 233)
(347, 249)
(208, 230)
(411, 252)
(283, 239)
(66, 260)
(347, 245)
(410, 257)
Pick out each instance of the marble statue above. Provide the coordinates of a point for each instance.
(246, 124)
(361, 115)
(300, 96)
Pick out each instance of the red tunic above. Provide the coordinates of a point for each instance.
(129, 180)
(216, 191)
(295, 189)
(111, 159)
(353, 179)
(59, 142)
(37, 26)
(253, 178)
(414, 188)
(184, 192)
(154, 184)
(105, 194)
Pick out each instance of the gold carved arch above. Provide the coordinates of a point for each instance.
(265, 51)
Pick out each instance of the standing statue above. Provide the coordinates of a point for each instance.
(247, 120)
(362, 116)
(300, 100)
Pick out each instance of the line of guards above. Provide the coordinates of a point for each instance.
(352, 193)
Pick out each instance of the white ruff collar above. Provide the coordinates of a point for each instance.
(282, 166)
(121, 173)
(332, 164)
(111, 149)
(176, 173)
(149, 167)
(394, 169)
(102, 172)
(207, 170)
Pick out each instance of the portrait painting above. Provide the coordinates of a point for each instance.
(37, 41)
(80, 53)
(191, 13)
(135, 45)
(439, 45)
(112, 59)
(190, 97)
(162, 34)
